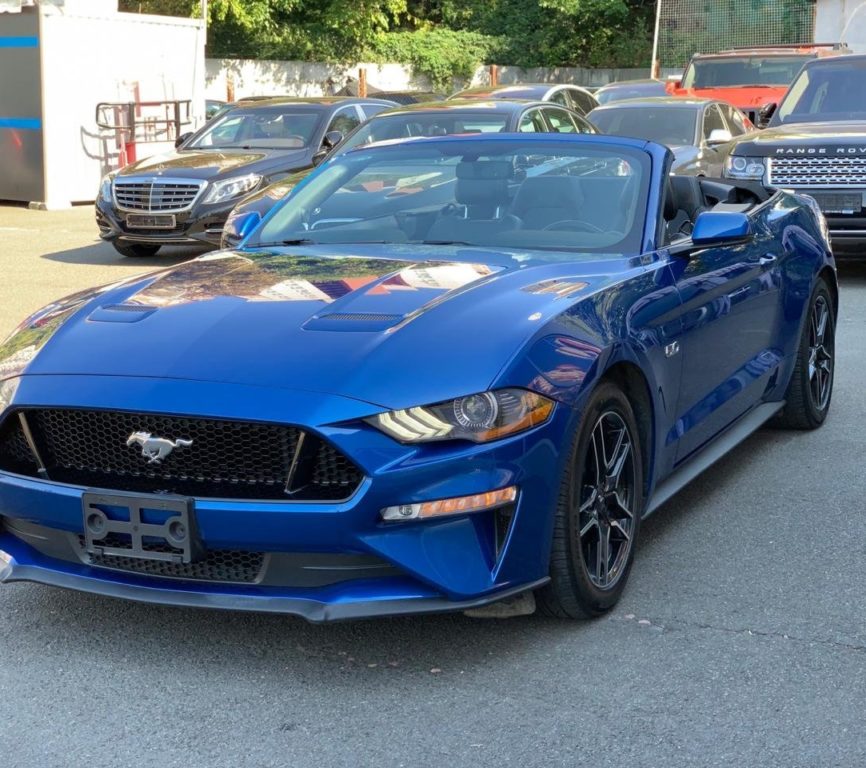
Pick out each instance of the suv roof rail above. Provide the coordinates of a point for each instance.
(787, 46)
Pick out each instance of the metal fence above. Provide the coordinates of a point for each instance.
(706, 26)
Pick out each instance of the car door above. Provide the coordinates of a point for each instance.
(731, 312)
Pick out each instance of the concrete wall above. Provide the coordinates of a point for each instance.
(841, 20)
(297, 78)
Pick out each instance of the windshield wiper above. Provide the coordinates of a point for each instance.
(293, 241)
(446, 242)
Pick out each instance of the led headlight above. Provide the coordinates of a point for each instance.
(105, 187)
(751, 168)
(480, 418)
(234, 187)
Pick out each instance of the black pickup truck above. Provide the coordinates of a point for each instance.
(816, 144)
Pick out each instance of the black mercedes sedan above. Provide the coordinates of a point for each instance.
(571, 96)
(185, 196)
(438, 118)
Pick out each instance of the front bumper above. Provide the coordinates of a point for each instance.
(435, 565)
(202, 225)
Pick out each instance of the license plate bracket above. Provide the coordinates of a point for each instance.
(845, 203)
(151, 221)
(149, 527)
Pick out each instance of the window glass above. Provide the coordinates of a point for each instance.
(713, 121)
(532, 122)
(730, 71)
(560, 97)
(564, 197)
(285, 127)
(561, 121)
(345, 121)
(833, 91)
(736, 122)
(373, 109)
(674, 126)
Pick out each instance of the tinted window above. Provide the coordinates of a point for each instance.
(559, 97)
(583, 102)
(284, 127)
(747, 70)
(435, 123)
(373, 109)
(554, 196)
(345, 121)
(834, 91)
(736, 121)
(713, 121)
(561, 121)
(532, 122)
(620, 91)
(674, 126)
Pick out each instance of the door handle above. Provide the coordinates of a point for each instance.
(767, 258)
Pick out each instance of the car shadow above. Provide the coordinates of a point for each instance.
(103, 254)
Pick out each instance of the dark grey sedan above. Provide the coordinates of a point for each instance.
(572, 96)
(698, 131)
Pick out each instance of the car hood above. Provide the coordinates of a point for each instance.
(805, 139)
(207, 164)
(390, 326)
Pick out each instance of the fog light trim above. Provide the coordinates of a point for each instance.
(458, 505)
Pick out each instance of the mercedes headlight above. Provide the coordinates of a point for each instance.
(751, 168)
(105, 187)
(480, 418)
(234, 187)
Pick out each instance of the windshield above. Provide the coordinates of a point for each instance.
(620, 92)
(283, 127)
(829, 92)
(674, 126)
(730, 72)
(556, 196)
(438, 123)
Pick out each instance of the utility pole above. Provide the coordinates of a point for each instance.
(655, 67)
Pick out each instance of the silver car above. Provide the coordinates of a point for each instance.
(700, 132)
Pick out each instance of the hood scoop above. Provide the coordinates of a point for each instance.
(121, 313)
(352, 321)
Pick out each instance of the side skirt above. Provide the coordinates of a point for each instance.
(729, 439)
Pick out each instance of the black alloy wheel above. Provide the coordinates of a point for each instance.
(807, 400)
(605, 518)
(597, 519)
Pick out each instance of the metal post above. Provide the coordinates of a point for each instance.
(655, 67)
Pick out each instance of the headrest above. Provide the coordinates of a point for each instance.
(483, 184)
(548, 192)
(671, 207)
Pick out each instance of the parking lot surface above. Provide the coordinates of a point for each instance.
(740, 639)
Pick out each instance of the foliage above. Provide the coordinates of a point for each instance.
(439, 54)
(439, 38)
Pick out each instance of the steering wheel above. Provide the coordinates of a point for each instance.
(574, 225)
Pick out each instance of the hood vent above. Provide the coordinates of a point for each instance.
(121, 313)
(352, 321)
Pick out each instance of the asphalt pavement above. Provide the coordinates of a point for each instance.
(740, 640)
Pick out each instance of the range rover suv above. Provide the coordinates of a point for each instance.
(816, 144)
(186, 195)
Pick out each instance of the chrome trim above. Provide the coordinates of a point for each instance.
(295, 459)
(807, 168)
(153, 180)
(31, 444)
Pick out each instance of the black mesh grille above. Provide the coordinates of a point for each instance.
(217, 565)
(225, 459)
(15, 453)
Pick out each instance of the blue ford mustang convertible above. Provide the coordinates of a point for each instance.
(441, 373)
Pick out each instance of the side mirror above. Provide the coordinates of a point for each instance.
(182, 139)
(332, 138)
(721, 228)
(765, 114)
(238, 227)
(719, 136)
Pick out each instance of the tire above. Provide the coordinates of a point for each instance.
(136, 250)
(810, 390)
(590, 504)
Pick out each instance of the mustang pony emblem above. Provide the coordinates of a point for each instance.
(155, 449)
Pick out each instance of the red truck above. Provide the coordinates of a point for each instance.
(749, 78)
